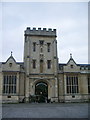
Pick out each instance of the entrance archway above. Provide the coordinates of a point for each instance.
(41, 90)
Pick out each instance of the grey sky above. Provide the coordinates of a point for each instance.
(70, 20)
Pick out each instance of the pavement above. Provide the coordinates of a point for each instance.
(45, 110)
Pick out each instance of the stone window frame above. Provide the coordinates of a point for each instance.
(41, 50)
(34, 46)
(41, 65)
(41, 42)
(72, 84)
(71, 66)
(10, 64)
(48, 47)
(9, 84)
(48, 64)
(34, 63)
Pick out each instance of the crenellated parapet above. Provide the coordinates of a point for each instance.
(40, 32)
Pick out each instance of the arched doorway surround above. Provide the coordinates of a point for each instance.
(43, 87)
(41, 90)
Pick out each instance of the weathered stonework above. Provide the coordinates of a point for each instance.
(54, 77)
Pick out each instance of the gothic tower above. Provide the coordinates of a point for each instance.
(41, 62)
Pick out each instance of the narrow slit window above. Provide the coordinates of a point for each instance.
(49, 64)
(34, 64)
(34, 46)
(48, 47)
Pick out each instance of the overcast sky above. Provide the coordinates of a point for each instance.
(69, 18)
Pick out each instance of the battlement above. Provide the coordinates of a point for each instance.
(40, 32)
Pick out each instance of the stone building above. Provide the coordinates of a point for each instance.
(40, 77)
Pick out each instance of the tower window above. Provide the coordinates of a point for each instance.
(41, 66)
(41, 42)
(34, 46)
(41, 49)
(48, 47)
(48, 64)
(34, 64)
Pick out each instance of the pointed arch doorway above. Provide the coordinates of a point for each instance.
(41, 90)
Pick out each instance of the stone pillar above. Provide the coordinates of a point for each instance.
(65, 92)
(83, 86)
(56, 88)
(32, 87)
(55, 56)
(17, 84)
(49, 91)
(27, 89)
(28, 59)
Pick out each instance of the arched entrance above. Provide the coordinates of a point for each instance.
(41, 90)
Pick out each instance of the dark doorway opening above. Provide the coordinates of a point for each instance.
(41, 90)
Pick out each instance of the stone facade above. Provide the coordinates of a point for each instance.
(61, 82)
